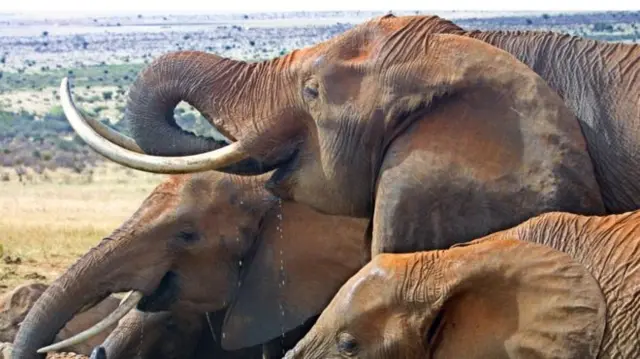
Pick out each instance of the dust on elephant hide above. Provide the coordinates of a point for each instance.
(559, 285)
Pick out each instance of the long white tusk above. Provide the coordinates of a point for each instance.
(212, 160)
(125, 306)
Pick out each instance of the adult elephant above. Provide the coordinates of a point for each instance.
(204, 242)
(599, 82)
(557, 286)
(386, 122)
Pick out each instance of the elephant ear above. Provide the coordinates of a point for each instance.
(14, 307)
(512, 299)
(300, 263)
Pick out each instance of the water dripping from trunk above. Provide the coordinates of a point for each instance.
(239, 266)
(281, 282)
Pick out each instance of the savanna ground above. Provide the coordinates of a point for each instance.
(57, 197)
(46, 225)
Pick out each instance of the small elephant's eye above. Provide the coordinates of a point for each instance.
(188, 236)
(347, 344)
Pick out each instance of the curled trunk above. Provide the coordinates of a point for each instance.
(182, 76)
(223, 90)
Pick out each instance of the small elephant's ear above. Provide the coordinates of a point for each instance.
(300, 263)
(19, 301)
(506, 298)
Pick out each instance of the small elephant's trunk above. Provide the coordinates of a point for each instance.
(135, 333)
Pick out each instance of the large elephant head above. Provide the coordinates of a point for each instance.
(203, 242)
(323, 115)
(496, 297)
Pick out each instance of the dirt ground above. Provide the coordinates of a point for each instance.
(46, 225)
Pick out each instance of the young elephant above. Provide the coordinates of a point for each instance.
(184, 335)
(15, 305)
(557, 286)
(205, 242)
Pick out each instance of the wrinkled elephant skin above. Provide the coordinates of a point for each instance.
(205, 242)
(388, 121)
(559, 285)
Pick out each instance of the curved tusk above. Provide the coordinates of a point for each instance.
(112, 135)
(113, 318)
(219, 158)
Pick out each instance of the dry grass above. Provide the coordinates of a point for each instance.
(46, 226)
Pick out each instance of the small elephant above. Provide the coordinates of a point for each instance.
(559, 285)
(205, 242)
(183, 335)
(15, 305)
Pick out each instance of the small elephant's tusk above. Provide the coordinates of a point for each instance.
(6, 350)
(126, 297)
(128, 303)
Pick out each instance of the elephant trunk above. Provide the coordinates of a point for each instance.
(135, 334)
(84, 284)
(181, 76)
(221, 89)
(51, 312)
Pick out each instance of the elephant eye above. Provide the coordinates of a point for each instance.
(188, 236)
(311, 92)
(347, 344)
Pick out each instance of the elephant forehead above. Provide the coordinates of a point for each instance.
(364, 286)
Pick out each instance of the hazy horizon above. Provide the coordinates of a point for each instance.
(125, 7)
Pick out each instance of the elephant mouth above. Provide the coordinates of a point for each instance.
(277, 184)
(165, 294)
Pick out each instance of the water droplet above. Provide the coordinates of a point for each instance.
(281, 282)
